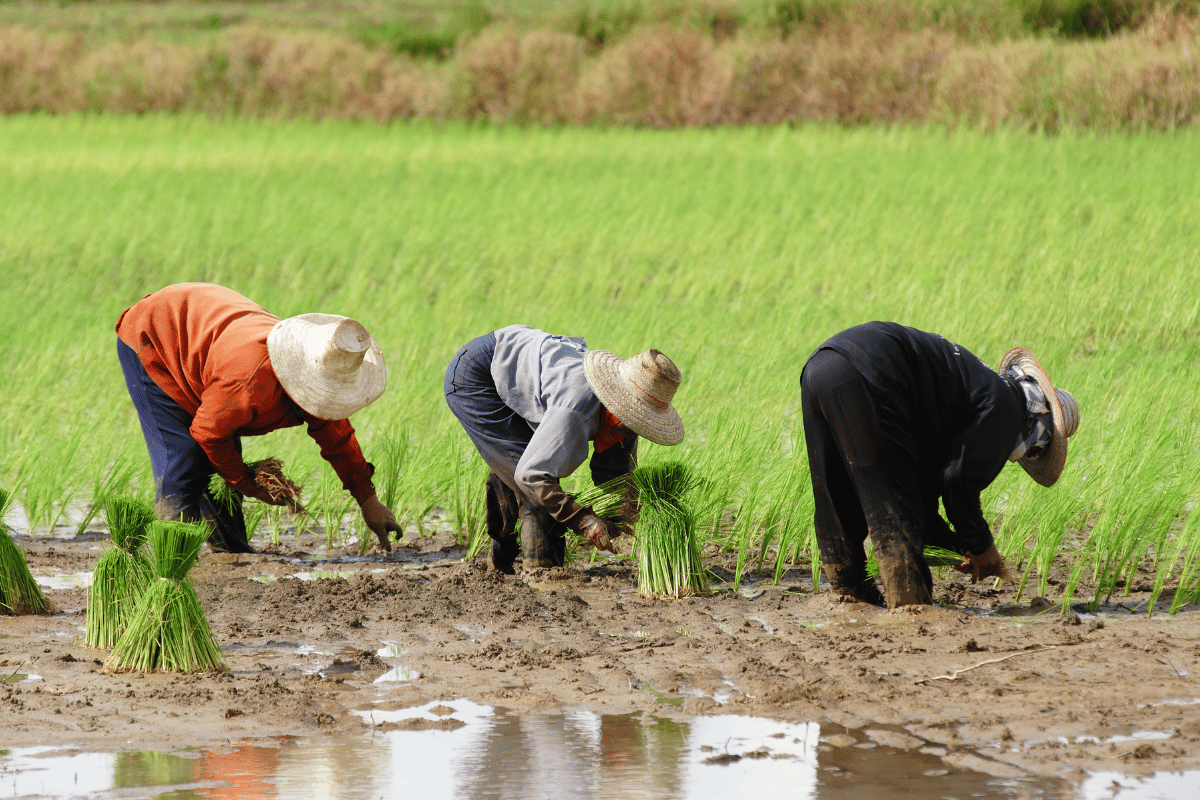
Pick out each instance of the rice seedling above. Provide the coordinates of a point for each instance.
(665, 504)
(167, 630)
(925, 227)
(19, 592)
(122, 573)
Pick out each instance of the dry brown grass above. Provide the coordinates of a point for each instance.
(657, 76)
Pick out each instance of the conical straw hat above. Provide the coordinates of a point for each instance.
(638, 391)
(327, 363)
(1047, 465)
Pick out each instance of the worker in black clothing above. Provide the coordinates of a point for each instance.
(896, 418)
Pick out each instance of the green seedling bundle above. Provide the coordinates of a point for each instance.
(19, 592)
(167, 630)
(664, 504)
(122, 573)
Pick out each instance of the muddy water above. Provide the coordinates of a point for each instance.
(460, 749)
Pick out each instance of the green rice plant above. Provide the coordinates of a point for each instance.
(467, 512)
(667, 541)
(122, 573)
(167, 630)
(113, 480)
(923, 226)
(19, 592)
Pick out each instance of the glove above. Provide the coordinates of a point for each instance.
(595, 531)
(380, 520)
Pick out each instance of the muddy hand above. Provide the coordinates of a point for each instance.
(380, 520)
(596, 532)
(988, 564)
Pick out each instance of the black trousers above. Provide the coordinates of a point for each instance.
(863, 455)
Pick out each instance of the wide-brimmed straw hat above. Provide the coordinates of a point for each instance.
(1048, 464)
(327, 363)
(638, 391)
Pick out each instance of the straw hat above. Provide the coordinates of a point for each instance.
(327, 363)
(1047, 465)
(638, 392)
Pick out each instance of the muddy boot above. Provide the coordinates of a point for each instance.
(543, 540)
(226, 522)
(502, 516)
(905, 575)
(852, 583)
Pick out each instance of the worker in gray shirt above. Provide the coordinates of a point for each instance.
(531, 402)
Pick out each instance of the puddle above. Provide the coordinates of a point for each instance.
(389, 650)
(1174, 701)
(399, 675)
(1159, 786)
(461, 749)
(20, 677)
(325, 574)
(66, 580)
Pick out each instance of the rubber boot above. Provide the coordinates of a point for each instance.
(902, 568)
(502, 516)
(543, 538)
(226, 522)
(851, 582)
(227, 528)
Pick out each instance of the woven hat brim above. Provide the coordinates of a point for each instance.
(602, 369)
(1047, 467)
(322, 393)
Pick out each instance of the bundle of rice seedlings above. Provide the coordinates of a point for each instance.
(122, 573)
(268, 474)
(670, 561)
(167, 630)
(19, 592)
(663, 503)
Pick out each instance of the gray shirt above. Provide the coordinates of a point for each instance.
(540, 376)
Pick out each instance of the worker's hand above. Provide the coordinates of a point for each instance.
(596, 531)
(380, 520)
(988, 564)
(249, 488)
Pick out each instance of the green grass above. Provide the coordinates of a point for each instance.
(736, 252)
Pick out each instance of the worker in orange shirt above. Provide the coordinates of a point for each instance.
(205, 366)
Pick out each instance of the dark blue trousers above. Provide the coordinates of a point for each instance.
(182, 471)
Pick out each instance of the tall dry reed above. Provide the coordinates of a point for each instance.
(655, 76)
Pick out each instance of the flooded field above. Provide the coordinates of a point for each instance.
(420, 672)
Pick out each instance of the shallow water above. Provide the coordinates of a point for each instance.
(460, 749)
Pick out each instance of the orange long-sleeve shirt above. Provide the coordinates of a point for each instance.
(206, 347)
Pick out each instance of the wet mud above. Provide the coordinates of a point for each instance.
(980, 681)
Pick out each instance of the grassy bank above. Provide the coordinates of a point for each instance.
(1045, 65)
(734, 251)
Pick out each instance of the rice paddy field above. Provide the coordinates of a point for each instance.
(735, 251)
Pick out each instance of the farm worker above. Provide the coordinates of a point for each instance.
(205, 367)
(896, 418)
(531, 401)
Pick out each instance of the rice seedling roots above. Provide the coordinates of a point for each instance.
(582, 636)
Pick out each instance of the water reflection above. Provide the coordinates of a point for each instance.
(459, 749)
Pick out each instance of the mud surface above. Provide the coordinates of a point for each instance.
(982, 680)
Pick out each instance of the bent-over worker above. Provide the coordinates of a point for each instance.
(205, 366)
(531, 401)
(895, 419)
